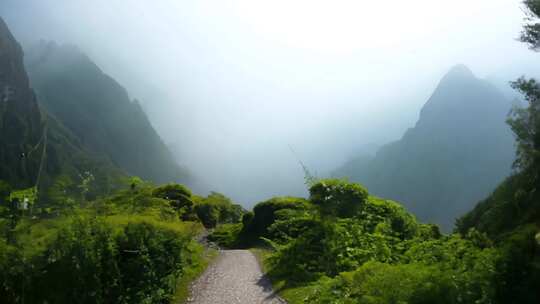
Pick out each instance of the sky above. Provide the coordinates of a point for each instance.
(242, 90)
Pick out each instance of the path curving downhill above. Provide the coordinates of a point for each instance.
(235, 277)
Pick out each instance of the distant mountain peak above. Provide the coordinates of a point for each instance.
(461, 93)
(455, 155)
(459, 71)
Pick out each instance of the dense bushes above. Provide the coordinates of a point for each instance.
(128, 248)
(336, 197)
(179, 198)
(382, 283)
(279, 218)
(228, 236)
(450, 270)
(344, 246)
(266, 213)
(518, 269)
(216, 209)
(91, 260)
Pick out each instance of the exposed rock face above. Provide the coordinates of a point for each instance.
(20, 119)
(456, 154)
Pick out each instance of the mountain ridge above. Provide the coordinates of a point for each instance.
(460, 138)
(21, 124)
(108, 122)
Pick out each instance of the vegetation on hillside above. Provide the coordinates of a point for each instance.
(134, 246)
(345, 246)
(127, 248)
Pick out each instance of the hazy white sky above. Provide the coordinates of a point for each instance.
(232, 83)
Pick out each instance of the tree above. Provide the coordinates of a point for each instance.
(525, 123)
(531, 30)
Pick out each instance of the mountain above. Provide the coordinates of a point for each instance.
(36, 150)
(21, 124)
(98, 111)
(455, 155)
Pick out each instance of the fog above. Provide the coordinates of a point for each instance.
(233, 85)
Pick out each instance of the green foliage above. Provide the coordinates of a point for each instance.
(25, 198)
(525, 122)
(227, 235)
(290, 224)
(518, 269)
(127, 248)
(179, 197)
(279, 218)
(62, 192)
(216, 209)
(93, 261)
(173, 192)
(381, 283)
(387, 217)
(247, 218)
(267, 213)
(337, 197)
(378, 253)
(327, 248)
(511, 215)
(531, 30)
(513, 203)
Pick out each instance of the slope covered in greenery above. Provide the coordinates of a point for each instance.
(343, 245)
(511, 214)
(131, 247)
(456, 154)
(98, 111)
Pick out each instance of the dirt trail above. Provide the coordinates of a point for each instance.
(235, 277)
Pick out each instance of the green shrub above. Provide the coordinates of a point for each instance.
(265, 213)
(216, 209)
(290, 225)
(518, 269)
(128, 248)
(381, 283)
(336, 197)
(88, 259)
(376, 215)
(179, 196)
(227, 235)
(327, 248)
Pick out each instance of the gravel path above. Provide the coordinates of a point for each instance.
(235, 277)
